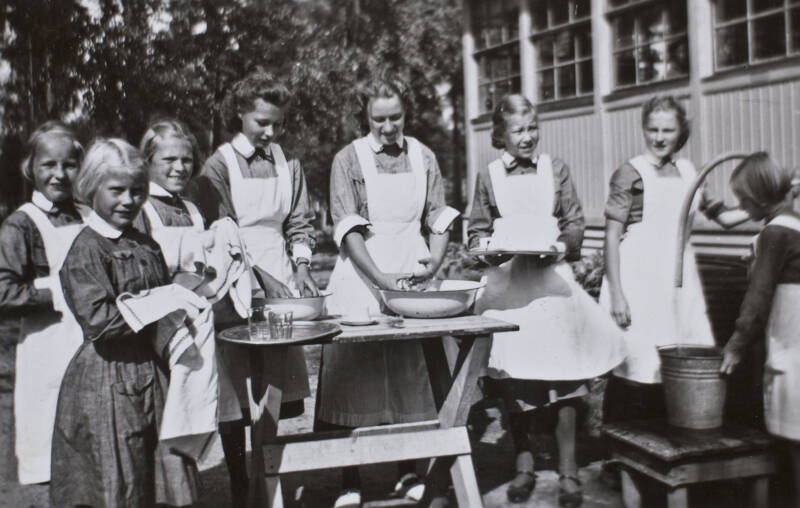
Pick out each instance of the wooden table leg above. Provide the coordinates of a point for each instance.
(759, 492)
(465, 483)
(631, 495)
(678, 497)
(265, 406)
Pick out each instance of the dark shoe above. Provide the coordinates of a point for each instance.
(521, 493)
(569, 499)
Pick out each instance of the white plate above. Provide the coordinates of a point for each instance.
(358, 323)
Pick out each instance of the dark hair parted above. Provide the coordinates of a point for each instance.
(48, 130)
(164, 129)
(514, 104)
(244, 93)
(383, 86)
(761, 179)
(670, 104)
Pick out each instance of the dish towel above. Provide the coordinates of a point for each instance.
(197, 397)
(227, 256)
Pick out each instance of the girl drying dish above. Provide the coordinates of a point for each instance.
(564, 337)
(770, 306)
(33, 243)
(105, 443)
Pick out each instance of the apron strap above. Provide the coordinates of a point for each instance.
(156, 222)
(418, 167)
(497, 173)
(194, 213)
(544, 169)
(152, 216)
(366, 160)
(284, 177)
(47, 230)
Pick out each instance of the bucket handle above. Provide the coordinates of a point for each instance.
(683, 223)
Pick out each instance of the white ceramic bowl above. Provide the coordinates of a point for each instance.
(304, 308)
(450, 298)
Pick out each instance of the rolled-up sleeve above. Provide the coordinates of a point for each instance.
(568, 210)
(483, 211)
(438, 216)
(17, 273)
(299, 227)
(345, 201)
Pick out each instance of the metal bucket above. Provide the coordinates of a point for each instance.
(694, 390)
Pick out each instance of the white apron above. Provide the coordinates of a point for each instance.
(660, 313)
(261, 206)
(371, 384)
(47, 344)
(782, 369)
(212, 371)
(564, 334)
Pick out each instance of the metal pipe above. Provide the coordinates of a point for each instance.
(683, 225)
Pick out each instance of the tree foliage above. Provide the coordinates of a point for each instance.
(111, 66)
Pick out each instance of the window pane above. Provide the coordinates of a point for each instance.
(730, 9)
(652, 26)
(624, 31)
(678, 59)
(769, 36)
(583, 9)
(566, 81)
(546, 85)
(732, 45)
(626, 68)
(484, 69)
(516, 85)
(545, 51)
(676, 18)
(763, 5)
(617, 3)
(502, 89)
(651, 64)
(794, 26)
(583, 41)
(495, 34)
(512, 25)
(585, 77)
(560, 11)
(565, 46)
(485, 98)
(501, 66)
(539, 14)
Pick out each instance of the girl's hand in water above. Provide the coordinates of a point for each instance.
(273, 288)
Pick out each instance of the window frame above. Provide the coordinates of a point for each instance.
(553, 30)
(511, 43)
(748, 19)
(611, 17)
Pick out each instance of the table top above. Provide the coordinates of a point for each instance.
(392, 328)
(668, 443)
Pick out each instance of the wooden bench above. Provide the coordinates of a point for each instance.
(679, 458)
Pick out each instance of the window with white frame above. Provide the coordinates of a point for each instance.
(754, 31)
(562, 35)
(495, 27)
(650, 42)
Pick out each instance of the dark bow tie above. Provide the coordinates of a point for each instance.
(260, 153)
(521, 162)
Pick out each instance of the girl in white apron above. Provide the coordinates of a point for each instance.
(33, 243)
(385, 190)
(170, 150)
(642, 214)
(771, 303)
(564, 337)
(252, 181)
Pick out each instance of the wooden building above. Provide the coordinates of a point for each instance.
(589, 65)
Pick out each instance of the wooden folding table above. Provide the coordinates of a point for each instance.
(456, 350)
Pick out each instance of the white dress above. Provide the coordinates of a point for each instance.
(564, 334)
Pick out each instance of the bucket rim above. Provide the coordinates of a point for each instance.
(663, 350)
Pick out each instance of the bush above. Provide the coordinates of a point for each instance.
(589, 272)
(458, 264)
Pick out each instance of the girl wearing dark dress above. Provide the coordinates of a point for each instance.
(105, 443)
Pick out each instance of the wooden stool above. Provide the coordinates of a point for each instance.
(681, 457)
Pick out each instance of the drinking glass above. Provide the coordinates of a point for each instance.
(280, 324)
(257, 323)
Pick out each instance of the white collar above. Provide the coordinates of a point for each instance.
(100, 225)
(377, 146)
(655, 162)
(157, 190)
(243, 145)
(41, 201)
(510, 161)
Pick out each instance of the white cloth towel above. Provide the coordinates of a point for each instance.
(227, 256)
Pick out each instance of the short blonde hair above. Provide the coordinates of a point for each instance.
(761, 179)
(48, 130)
(163, 130)
(107, 157)
(514, 104)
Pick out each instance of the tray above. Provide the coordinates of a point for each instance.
(301, 333)
(500, 252)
